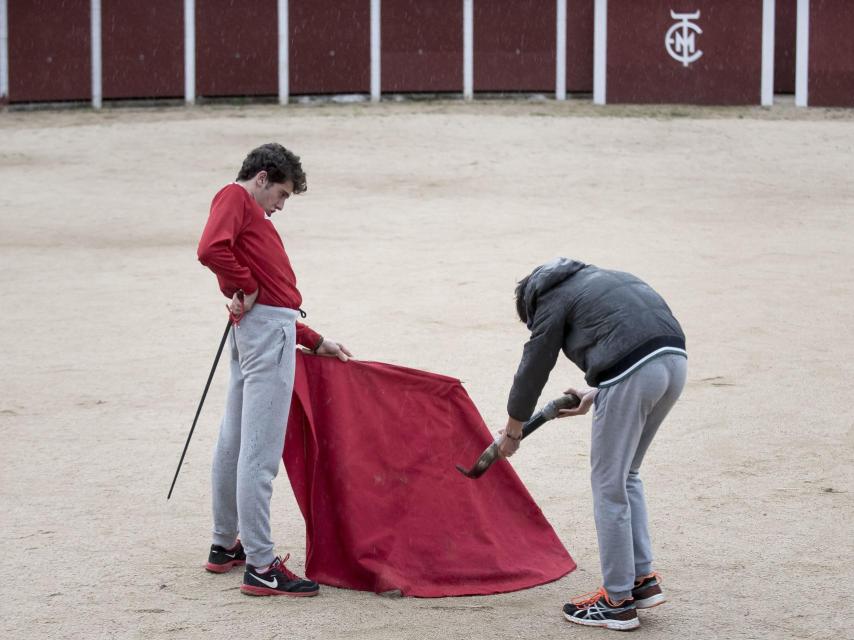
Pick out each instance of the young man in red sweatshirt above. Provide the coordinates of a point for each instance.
(242, 247)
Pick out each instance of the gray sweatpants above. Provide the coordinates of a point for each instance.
(252, 433)
(626, 418)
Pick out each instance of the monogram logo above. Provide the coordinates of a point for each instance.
(681, 38)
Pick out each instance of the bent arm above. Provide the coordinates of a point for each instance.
(216, 246)
(539, 356)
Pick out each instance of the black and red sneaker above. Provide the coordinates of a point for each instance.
(647, 591)
(598, 610)
(278, 580)
(222, 560)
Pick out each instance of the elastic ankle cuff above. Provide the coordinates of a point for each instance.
(225, 542)
(263, 562)
(619, 597)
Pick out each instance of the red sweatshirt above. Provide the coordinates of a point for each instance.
(242, 247)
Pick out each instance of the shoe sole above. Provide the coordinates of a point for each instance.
(223, 568)
(614, 625)
(249, 590)
(652, 601)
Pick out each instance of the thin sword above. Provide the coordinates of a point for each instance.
(201, 402)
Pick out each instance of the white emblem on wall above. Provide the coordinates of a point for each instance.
(681, 38)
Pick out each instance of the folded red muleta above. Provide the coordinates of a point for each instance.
(370, 452)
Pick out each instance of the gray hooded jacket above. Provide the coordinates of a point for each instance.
(608, 323)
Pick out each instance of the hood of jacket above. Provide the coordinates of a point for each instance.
(546, 277)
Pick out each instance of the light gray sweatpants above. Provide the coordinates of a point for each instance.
(252, 433)
(626, 418)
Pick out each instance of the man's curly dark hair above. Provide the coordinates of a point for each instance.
(280, 164)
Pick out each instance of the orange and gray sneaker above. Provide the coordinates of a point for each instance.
(598, 610)
(647, 591)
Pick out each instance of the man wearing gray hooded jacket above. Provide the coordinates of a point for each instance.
(624, 338)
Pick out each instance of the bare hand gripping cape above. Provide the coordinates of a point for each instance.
(370, 451)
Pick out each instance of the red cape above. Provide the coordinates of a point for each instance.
(370, 451)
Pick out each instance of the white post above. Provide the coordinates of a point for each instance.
(95, 26)
(769, 10)
(468, 49)
(284, 62)
(4, 51)
(375, 50)
(600, 48)
(560, 63)
(190, 51)
(802, 66)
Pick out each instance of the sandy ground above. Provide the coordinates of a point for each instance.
(418, 220)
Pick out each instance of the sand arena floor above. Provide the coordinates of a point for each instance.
(418, 220)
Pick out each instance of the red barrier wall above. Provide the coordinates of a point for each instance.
(514, 41)
(49, 50)
(785, 44)
(237, 48)
(831, 56)
(422, 46)
(640, 70)
(579, 45)
(514, 45)
(330, 46)
(142, 48)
